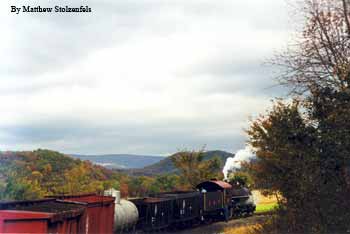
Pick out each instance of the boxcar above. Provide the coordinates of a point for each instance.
(187, 205)
(100, 211)
(42, 216)
(155, 213)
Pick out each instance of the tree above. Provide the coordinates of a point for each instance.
(41, 173)
(194, 169)
(241, 178)
(167, 183)
(287, 163)
(303, 146)
(139, 186)
(320, 56)
(124, 188)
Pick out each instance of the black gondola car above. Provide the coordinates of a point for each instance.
(155, 213)
(214, 200)
(187, 205)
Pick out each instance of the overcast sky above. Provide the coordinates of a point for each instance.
(137, 76)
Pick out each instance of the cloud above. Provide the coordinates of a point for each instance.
(137, 76)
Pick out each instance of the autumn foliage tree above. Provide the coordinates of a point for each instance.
(303, 145)
(241, 178)
(142, 186)
(319, 57)
(194, 169)
(40, 173)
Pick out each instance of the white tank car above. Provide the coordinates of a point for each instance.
(125, 212)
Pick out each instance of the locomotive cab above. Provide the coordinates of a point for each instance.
(216, 198)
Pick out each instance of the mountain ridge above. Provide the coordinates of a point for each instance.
(120, 161)
(165, 166)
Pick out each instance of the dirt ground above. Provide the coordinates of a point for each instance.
(223, 227)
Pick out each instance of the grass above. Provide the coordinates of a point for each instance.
(265, 208)
(264, 204)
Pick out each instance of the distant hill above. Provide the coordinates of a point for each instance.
(39, 173)
(120, 161)
(166, 166)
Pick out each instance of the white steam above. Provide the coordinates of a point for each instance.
(233, 163)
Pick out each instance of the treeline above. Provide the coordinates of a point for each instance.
(40, 173)
(192, 168)
(140, 186)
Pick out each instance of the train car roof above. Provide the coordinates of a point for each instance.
(177, 194)
(213, 185)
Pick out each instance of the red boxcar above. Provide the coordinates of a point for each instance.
(42, 216)
(100, 211)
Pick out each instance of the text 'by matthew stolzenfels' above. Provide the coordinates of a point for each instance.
(54, 9)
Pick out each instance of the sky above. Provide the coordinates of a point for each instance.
(137, 76)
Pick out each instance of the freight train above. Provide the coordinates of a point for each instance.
(91, 213)
(213, 200)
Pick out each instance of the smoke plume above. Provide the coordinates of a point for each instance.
(233, 163)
